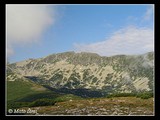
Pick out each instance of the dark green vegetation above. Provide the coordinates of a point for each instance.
(42, 102)
(142, 95)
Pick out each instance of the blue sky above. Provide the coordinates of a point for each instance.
(35, 32)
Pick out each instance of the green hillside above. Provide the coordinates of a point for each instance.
(20, 89)
(22, 93)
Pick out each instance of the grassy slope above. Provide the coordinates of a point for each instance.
(22, 93)
(20, 89)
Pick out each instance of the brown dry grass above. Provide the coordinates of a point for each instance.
(101, 106)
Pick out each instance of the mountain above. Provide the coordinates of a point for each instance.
(89, 73)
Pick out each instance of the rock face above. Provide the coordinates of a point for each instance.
(70, 70)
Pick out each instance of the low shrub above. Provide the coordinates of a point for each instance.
(13, 104)
(42, 102)
(121, 95)
(142, 95)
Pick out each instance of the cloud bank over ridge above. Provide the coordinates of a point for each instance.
(129, 40)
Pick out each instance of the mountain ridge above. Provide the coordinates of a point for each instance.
(119, 73)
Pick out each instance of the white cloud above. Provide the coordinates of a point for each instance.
(26, 23)
(149, 13)
(129, 40)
